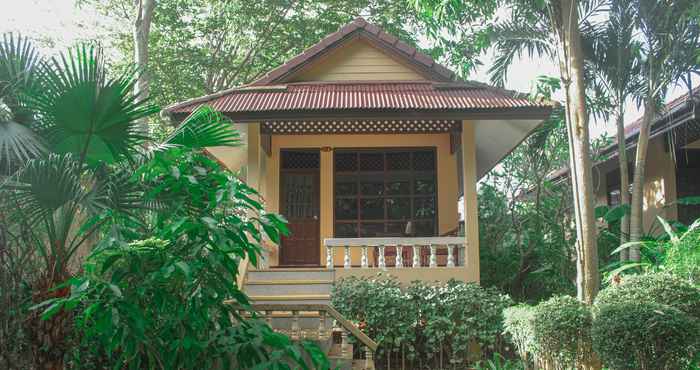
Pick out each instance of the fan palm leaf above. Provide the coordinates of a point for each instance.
(84, 112)
(205, 127)
(19, 63)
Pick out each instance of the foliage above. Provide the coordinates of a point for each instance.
(101, 187)
(517, 324)
(427, 324)
(215, 45)
(659, 288)
(498, 362)
(561, 328)
(675, 251)
(645, 335)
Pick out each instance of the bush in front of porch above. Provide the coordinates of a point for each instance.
(424, 325)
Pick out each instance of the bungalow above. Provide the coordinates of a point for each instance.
(363, 141)
(672, 168)
(366, 145)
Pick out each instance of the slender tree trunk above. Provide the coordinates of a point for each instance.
(572, 75)
(142, 28)
(624, 180)
(637, 211)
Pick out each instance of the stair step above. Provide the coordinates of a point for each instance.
(303, 275)
(288, 282)
(271, 288)
(291, 299)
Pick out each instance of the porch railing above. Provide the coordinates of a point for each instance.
(415, 248)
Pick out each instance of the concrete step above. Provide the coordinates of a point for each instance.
(291, 299)
(286, 274)
(288, 287)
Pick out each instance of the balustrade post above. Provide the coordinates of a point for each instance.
(450, 256)
(463, 254)
(416, 256)
(322, 325)
(382, 261)
(433, 257)
(344, 344)
(346, 260)
(363, 261)
(399, 256)
(369, 359)
(329, 257)
(296, 329)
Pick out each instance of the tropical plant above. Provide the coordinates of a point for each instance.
(645, 335)
(675, 251)
(498, 362)
(424, 325)
(614, 59)
(661, 288)
(553, 29)
(669, 36)
(101, 183)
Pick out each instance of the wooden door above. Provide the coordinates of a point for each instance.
(299, 203)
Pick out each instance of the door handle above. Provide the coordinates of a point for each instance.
(315, 218)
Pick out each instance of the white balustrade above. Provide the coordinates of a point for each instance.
(434, 246)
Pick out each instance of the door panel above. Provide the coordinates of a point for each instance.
(299, 203)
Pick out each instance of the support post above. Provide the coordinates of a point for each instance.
(471, 220)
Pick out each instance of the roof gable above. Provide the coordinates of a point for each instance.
(357, 60)
(404, 54)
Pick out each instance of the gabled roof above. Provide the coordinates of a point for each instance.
(389, 95)
(360, 28)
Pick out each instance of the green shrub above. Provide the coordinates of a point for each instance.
(517, 323)
(661, 288)
(644, 335)
(423, 323)
(561, 331)
(683, 256)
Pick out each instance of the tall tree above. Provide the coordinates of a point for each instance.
(615, 59)
(669, 34)
(551, 28)
(205, 46)
(141, 31)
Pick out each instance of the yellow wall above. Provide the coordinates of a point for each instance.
(357, 61)
(659, 184)
(446, 170)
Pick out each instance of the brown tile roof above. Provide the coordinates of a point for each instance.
(389, 95)
(370, 32)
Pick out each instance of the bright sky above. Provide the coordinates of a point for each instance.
(65, 24)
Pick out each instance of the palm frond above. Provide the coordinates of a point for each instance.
(18, 144)
(205, 127)
(513, 39)
(42, 187)
(19, 62)
(84, 112)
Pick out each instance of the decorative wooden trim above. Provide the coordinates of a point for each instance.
(364, 126)
(455, 140)
(266, 143)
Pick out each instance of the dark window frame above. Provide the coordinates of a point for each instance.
(388, 176)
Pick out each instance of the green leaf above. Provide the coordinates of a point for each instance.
(205, 127)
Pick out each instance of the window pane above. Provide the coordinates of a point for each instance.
(398, 161)
(424, 186)
(373, 188)
(398, 208)
(346, 186)
(424, 161)
(371, 161)
(346, 162)
(346, 209)
(424, 208)
(346, 230)
(396, 229)
(398, 188)
(371, 230)
(424, 228)
(372, 209)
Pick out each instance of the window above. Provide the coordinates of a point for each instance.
(612, 181)
(385, 193)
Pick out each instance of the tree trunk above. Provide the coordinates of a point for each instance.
(624, 180)
(572, 75)
(637, 211)
(142, 28)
